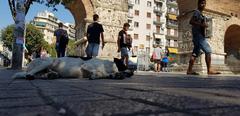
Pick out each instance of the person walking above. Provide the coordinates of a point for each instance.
(199, 41)
(123, 43)
(61, 40)
(94, 31)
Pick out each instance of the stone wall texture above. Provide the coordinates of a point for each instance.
(224, 13)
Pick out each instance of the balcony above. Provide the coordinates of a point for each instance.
(130, 15)
(172, 25)
(171, 37)
(158, 10)
(172, 3)
(159, 1)
(159, 22)
(130, 3)
(172, 12)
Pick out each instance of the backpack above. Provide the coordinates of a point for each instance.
(63, 40)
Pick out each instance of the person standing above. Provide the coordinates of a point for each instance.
(122, 44)
(61, 40)
(199, 41)
(165, 60)
(94, 31)
(157, 57)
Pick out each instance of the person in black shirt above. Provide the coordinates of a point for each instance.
(123, 44)
(94, 31)
(61, 40)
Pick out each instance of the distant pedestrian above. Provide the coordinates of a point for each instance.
(94, 31)
(61, 40)
(165, 60)
(199, 25)
(123, 43)
(157, 57)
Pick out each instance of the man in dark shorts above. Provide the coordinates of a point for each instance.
(94, 31)
(122, 43)
(199, 41)
(61, 40)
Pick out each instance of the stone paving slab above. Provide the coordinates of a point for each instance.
(154, 94)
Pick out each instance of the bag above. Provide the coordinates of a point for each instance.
(153, 57)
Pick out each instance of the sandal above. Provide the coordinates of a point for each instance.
(214, 73)
(193, 73)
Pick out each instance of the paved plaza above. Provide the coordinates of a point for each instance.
(146, 93)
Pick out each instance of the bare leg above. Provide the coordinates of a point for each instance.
(155, 67)
(208, 63)
(126, 61)
(191, 63)
(158, 67)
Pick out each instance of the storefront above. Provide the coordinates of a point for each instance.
(173, 55)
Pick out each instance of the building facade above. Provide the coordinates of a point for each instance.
(47, 23)
(153, 22)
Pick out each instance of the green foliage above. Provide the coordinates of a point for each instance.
(34, 38)
(71, 48)
(7, 36)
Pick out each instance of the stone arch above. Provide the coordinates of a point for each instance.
(112, 13)
(82, 11)
(232, 43)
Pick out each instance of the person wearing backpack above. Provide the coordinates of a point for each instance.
(199, 25)
(61, 40)
(123, 44)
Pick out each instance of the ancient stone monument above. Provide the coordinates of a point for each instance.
(223, 31)
(113, 14)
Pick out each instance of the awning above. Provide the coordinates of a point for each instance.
(141, 46)
(173, 50)
(173, 17)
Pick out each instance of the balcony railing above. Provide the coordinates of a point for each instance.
(159, 22)
(172, 25)
(130, 3)
(172, 3)
(159, 0)
(130, 15)
(158, 10)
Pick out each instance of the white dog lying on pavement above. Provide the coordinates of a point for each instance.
(68, 67)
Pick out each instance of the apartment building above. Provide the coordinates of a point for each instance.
(47, 23)
(153, 22)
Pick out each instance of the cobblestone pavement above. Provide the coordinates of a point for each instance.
(154, 94)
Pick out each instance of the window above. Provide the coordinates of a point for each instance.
(137, 1)
(148, 15)
(149, 4)
(175, 43)
(135, 50)
(148, 26)
(158, 17)
(168, 42)
(158, 29)
(148, 49)
(135, 36)
(129, 21)
(136, 24)
(148, 38)
(137, 12)
(158, 41)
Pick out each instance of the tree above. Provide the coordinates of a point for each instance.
(34, 38)
(19, 9)
(71, 48)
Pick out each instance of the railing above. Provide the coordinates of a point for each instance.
(158, 10)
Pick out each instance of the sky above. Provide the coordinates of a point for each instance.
(6, 18)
